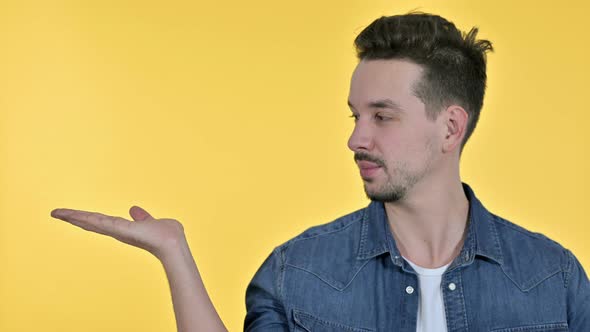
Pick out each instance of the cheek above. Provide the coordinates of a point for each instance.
(425, 135)
(417, 148)
(409, 145)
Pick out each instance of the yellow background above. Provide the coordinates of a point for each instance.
(231, 117)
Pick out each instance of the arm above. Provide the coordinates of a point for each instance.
(164, 238)
(578, 295)
(264, 298)
(193, 308)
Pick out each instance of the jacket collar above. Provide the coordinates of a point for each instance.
(482, 236)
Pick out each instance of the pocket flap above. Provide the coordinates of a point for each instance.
(312, 323)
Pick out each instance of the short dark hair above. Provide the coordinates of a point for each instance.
(454, 62)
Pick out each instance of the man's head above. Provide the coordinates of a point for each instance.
(433, 78)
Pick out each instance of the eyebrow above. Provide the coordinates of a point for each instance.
(382, 103)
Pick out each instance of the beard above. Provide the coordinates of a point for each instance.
(393, 190)
(399, 181)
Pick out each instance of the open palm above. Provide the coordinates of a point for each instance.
(144, 231)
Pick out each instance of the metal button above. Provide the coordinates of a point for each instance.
(452, 286)
(409, 289)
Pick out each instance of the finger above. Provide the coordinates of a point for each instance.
(95, 222)
(139, 214)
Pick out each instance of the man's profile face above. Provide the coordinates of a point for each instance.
(395, 145)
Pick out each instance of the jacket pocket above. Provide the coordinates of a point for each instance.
(553, 327)
(309, 323)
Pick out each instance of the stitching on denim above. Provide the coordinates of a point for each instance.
(446, 307)
(332, 283)
(337, 285)
(520, 229)
(535, 282)
(465, 322)
(281, 278)
(529, 284)
(329, 323)
(379, 250)
(497, 245)
(358, 269)
(567, 272)
(345, 224)
(447, 313)
(536, 279)
(532, 327)
(364, 230)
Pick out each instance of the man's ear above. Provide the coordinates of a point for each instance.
(455, 125)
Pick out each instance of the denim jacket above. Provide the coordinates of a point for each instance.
(348, 275)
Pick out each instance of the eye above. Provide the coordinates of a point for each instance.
(354, 116)
(380, 117)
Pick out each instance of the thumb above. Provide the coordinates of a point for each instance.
(139, 214)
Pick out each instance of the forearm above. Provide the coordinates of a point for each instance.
(193, 308)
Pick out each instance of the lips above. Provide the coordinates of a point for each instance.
(368, 169)
(367, 165)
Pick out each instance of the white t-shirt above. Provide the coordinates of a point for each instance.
(431, 310)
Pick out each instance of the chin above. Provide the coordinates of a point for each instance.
(385, 195)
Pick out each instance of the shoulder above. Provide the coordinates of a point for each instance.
(327, 251)
(340, 226)
(528, 257)
(514, 236)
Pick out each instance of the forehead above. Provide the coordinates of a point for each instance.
(379, 79)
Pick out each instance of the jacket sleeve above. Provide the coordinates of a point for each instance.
(578, 295)
(264, 302)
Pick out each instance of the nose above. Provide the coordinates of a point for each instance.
(361, 138)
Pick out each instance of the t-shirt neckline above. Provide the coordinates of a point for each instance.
(423, 271)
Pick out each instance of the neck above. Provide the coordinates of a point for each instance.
(429, 224)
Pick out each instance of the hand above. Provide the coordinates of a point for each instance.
(164, 238)
(154, 235)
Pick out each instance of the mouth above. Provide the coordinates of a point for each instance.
(367, 164)
(368, 169)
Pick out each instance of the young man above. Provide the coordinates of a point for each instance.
(425, 254)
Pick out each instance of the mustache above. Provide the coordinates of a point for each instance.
(358, 156)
